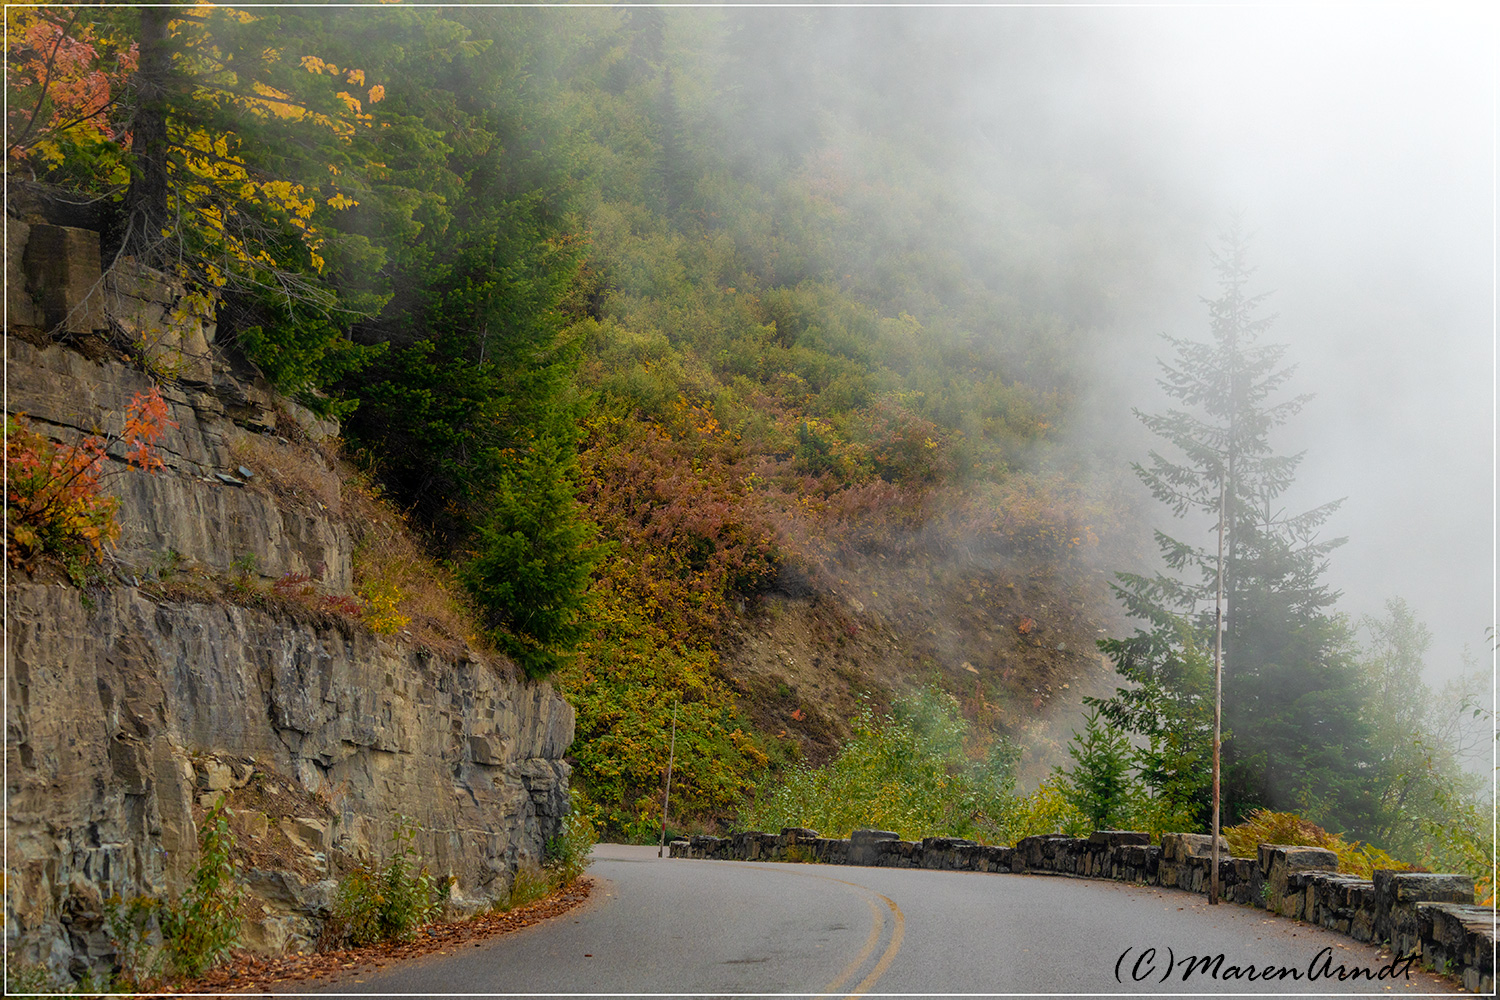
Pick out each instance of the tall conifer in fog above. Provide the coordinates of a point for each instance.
(1291, 693)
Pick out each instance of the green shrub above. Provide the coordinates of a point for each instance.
(918, 771)
(568, 853)
(1100, 784)
(533, 555)
(1046, 810)
(200, 927)
(388, 903)
(1465, 843)
(28, 980)
(130, 924)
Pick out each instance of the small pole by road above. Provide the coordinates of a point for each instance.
(667, 796)
(1213, 879)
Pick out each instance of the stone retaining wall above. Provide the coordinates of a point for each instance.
(1416, 912)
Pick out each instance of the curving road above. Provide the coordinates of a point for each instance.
(714, 928)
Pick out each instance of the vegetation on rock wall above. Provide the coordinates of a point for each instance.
(55, 503)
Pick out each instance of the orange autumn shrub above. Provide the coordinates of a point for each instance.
(55, 500)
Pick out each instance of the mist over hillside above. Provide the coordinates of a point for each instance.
(1082, 161)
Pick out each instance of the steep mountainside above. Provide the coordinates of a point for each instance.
(225, 650)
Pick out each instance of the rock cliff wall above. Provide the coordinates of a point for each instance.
(129, 712)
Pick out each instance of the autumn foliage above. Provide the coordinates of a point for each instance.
(66, 75)
(1267, 827)
(55, 501)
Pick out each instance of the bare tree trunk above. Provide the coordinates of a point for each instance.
(146, 201)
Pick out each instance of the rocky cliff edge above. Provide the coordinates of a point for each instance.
(134, 704)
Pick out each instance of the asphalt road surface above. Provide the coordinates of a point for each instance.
(721, 928)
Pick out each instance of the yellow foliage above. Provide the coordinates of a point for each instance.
(380, 613)
(1266, 827)
(1044, 811)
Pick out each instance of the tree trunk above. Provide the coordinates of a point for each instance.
(146, 201)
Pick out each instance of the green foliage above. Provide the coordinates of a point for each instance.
(200, 928)
(1170, 703)
(908, 771)
(28, 980)
(1099, 784)
(623, 686)
(1292, 697)
(130, 924)
(1463, 840)
(386, 903)
(566, 857)
(305, 351)
(568, 853)
(1421, 737)
(533, 555)
(483, 365)
(1046, 810)
(36, 981)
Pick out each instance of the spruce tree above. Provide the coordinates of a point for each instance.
(1099, 784)
(1292, 698)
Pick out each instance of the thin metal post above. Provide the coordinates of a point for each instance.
(667, 796)
(1213, 882)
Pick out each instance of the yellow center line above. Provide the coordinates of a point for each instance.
(876, 925)
(897, 933)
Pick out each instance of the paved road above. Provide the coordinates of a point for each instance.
(714, 928)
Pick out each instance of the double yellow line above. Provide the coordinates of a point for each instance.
(877, 924)
(877, 929)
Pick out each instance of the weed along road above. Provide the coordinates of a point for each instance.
(715, 928)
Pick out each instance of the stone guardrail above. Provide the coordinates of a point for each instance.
(1430, 915)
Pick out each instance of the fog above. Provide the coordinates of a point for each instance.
(1360, 149)
(1094, 155)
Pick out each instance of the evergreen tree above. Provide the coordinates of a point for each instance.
(1099, 783)
(533, 555)
(1292, 696)
(1170, 703)
(1419, 735)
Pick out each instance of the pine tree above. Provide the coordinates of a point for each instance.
(1099, 784)
(1169, 704)
(1291, 693)
(533, 556)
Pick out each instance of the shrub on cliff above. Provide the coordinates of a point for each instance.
(385, 903)
(200, 928)
(55, 502)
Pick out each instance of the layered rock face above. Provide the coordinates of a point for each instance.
(126, 715)
(129, 714)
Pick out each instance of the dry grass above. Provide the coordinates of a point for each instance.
(389, 554)
(430, 607)
(296, 474)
